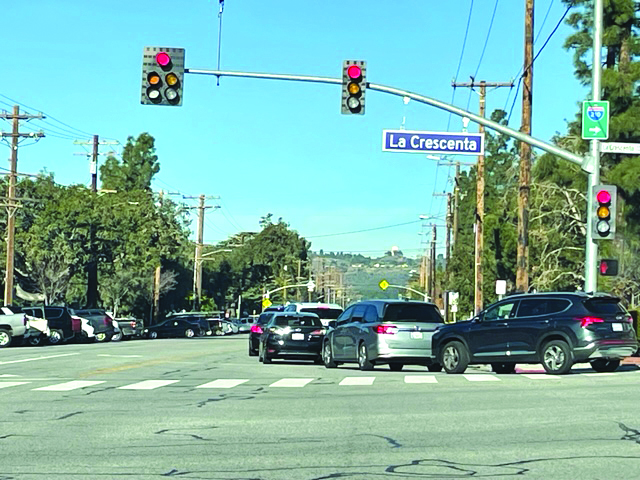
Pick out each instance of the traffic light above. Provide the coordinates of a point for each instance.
(354, 86)
(604, 211)
(162, 76)
(608, 267)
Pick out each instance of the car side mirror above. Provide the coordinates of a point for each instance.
(332, 324)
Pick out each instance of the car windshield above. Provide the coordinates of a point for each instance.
(604, 306)
(323, 312)
(412, 312)
(298, 322)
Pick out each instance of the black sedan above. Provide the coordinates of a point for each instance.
(174, 327)
(292, 335)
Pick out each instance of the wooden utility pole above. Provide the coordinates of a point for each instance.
(522, 261)
(158, 273)
(479, 226)
(432, 270)
(12, 205)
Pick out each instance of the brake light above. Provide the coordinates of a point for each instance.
(320, 331)
(586, 321)
(630, 319)
(256, 329)
(133, 324)
(386, 329)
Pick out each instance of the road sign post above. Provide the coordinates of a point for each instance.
(595, 120)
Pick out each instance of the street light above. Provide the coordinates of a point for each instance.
(197, 275)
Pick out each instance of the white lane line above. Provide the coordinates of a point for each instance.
(38, 358)
(601, 374)
(420, 379)
(223, 383)
(67, 386)
(148, 385)
(119, 356)
(8, 375)
(357, 381)
(292, 382)
(540, 376)
(481, 377)
(11, 384)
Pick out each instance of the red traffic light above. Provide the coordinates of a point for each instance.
(603, 196)
(163, 59)
(608, 267)
(354, 72)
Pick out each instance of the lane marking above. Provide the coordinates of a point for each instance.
(8, 375)
(148, 385)
(223, 383)
(357, 381)
(119, 356)
(540, 376)
(291, 382)
(11, 384)
(601, 374)
(67, 386)
(420, 379)
(39, 358)
(481, 377)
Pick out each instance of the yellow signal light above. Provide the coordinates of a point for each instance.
(603, 212)
(353, 88)
(172, 79)
(153, 79)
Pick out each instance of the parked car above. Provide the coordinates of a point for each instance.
(62, 327)
(174, 327)
(292, 335)
(326, 311)
(129, 327)
(200, 318)
(100, 321)
(555, 329)
(243, 324)
(375, 332)
(15, 326)
(257, 329)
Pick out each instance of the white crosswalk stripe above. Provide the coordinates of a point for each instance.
(481, 377)
(68, 386)
(292, 382)
(420, 379)
(223, 383)
(11, 384)
(357, 381)
(148, 385)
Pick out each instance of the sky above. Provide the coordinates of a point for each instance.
(267, 146)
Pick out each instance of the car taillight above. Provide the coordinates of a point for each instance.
(586, 321)
(133, 324)
(630, 319)
(386, 329)
(106, 320)
(320, 331)
(256, 329)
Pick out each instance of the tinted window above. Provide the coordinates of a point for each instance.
(345, 316)
(264, 318)
(358, 313)
(371, 315)
(53, 312)
(499, 312)
(326, 313)
(604, 306)
(541, 306)
(412, 312)
(10, 309)
(298, 322)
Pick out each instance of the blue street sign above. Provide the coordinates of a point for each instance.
(595, 113)
(410, 141)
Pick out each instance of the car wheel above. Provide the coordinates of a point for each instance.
(435, 367)
(5, 338)
(56, 337)
(455, 357)
(102, 337)
(189, 333)
(252, 352)
(556, 357)
(152, 335)
(35, 341)
(117, 337)
(395, 367)
(327, 356)
(507, 367)
(604, 365)
(363, 358)
(265, 357)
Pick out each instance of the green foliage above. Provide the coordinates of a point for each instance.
(139, 165)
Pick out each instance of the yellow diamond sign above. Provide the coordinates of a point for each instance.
(383, 284)
(266, 303)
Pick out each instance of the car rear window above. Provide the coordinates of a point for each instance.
(264, 318)
(326, 313)
(604, 306)
(298, 322)
(412, 312)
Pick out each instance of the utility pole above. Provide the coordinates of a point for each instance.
(12, 205)
(522, 261)
(197, 261)
(432, 273)
(479, 230)
(157, 275)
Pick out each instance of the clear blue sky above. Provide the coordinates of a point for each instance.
(271, 146)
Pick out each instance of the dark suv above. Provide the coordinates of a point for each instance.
(555, 329)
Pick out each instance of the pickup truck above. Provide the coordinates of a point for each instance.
(15, 326)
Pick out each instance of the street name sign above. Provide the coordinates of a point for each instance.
(595, 120)
(412, 141)
(617, 147)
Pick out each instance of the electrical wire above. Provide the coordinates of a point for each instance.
(363, 230)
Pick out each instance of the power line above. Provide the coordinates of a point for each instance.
(363, 230)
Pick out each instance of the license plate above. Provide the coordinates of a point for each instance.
(617, 327)
(416, 334)
(297, 336)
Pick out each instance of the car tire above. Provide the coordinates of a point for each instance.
(435, 367)
(602, 365)
(117, 337)
(152, 335)
(327, 356)
(35, 341)
(396, 367)
(507, 367)
(454, 357)
(266, 358)
(189, 333)
(556, 357)
(252, 352)
(56, 337)
(5, 338)
(363, 358)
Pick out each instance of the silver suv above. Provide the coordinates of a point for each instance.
(374, 332)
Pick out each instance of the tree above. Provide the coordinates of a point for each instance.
(135, 172)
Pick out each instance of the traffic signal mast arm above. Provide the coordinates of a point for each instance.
(584, 163)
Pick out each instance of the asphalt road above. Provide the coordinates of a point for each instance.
(203, 409)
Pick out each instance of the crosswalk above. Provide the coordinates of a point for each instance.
(285, 383)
